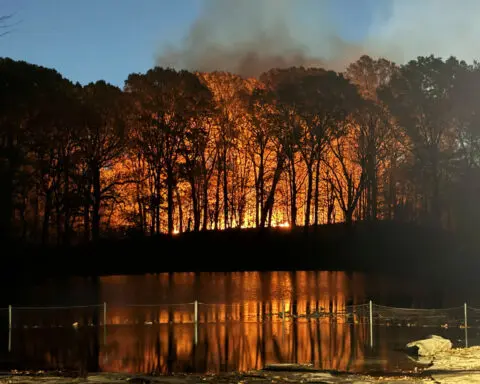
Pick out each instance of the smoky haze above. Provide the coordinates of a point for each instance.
(249, 37)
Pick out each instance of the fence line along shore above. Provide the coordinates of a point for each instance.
(196, 313)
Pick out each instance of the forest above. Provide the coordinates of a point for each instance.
(177, 151)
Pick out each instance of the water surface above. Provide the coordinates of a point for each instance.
(150, 322)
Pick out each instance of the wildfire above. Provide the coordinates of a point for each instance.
(228, 198)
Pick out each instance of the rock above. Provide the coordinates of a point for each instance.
(460, 365)
(430, 346)
(460, 359)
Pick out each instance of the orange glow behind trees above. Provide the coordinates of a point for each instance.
(277, 152)
(181, 151)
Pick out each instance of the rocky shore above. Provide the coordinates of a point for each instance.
(258, 377)
(450, 366)
(460, 365)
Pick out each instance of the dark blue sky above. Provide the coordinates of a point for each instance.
(87, 40)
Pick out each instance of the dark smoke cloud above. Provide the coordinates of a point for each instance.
(249, 37)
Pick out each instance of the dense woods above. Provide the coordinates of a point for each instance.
(175, 151)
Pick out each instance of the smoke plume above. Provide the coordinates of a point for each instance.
(249, 37)
(412, 28)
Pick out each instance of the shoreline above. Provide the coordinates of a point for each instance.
(257, 377)
(459, 365)
(336, 247)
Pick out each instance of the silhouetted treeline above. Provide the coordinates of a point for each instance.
(180, 151)
(371, 247)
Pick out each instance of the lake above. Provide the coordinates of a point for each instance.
(245, 320)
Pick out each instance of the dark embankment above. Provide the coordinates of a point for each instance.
(383, 247)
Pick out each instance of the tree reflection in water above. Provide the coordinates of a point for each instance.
(236, 332)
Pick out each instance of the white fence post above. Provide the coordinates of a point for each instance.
(104, 323)
(371, 323)
(9, 328)
(465, 324)
(195, 314)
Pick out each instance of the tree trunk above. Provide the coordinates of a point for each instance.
(259, 190)
(180, 210)
(317, 191)
(330, 202)
(156, 221)
(152, 215)
(374, 195)
(96, 202)
(170, 189)
(86, 212)
(241, 212)
(195, 205)
(293, 194)
(205, 204)
(257, 196)
(267, 208)
(225, 190)
(348, 214)
(217, 198)
(309, 194)
(392, 198)
(141, 216)
(270, 214)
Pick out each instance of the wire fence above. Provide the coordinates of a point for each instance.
(196, 313)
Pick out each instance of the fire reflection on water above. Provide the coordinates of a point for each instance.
(150, 324)
(235, 296)
(237, 330)
(233, 346)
